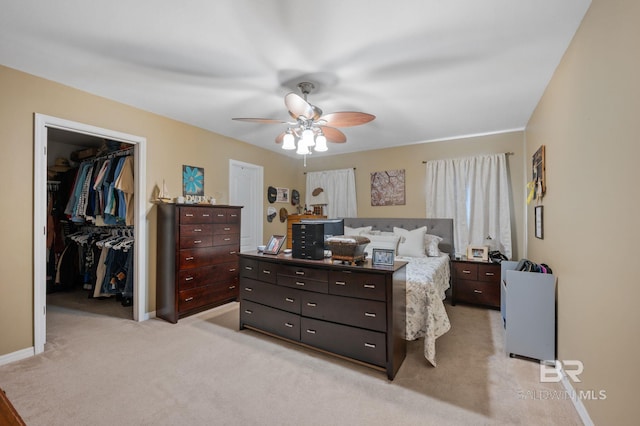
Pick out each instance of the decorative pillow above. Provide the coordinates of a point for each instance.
(356, 231)
(431, 243)
(412, 242)
(388, 242)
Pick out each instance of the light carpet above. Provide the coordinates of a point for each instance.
(100, 369)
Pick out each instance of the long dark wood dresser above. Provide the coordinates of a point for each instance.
(355, 312)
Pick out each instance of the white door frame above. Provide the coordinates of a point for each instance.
(257, 203)
(42, 122)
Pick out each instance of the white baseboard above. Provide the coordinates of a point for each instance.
(17, 355)
(577, 402)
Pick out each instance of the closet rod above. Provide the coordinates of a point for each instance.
(506, 153)
(119, 153)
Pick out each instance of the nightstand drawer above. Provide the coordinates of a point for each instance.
(479, 292)
(489, 272)
(465, 271)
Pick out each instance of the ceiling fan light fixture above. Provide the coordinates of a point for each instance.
(321, 143)
(289, 141)
(307, 137)
(303, 149)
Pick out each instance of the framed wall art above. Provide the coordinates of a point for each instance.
(282, 195)
(192, 181)
(388, 188)
(538, 170)
(538, 222)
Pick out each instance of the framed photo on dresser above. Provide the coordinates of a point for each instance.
(275, 244)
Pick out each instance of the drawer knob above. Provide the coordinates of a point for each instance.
(489, 274)
(300, 283)
(227, 229)
(313, 305)
(233, 252)
(311, 331)
(232, 269)
(188, 279)
(249, 268)
(369, 314)
(188, 258)
(248, 289)
(227, 239)
(266, 271)
(477, 291)
(220, 214)
(197, 230)
(231, 287)
(197, 242)
(188, 299)
(189, 214)
(466, 271)
(288, 324)
(369, 286)
(248, 311)
(299, 272)
(341, 283)
(205, 215)
(288, 299)
(369, 345)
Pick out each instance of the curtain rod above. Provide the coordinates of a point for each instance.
(506, 153)
(328, 170)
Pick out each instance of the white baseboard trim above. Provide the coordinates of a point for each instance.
(577, 402)
(17, 355)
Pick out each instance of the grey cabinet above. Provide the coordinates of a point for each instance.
(528, 308)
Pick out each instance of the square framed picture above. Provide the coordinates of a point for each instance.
(275, 244)
(478, 253)
(382, 257)
(538, 220)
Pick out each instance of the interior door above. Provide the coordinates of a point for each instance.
(246, 190)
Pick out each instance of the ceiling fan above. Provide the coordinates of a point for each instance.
(311, 128)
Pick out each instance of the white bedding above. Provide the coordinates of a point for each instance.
(427, 281)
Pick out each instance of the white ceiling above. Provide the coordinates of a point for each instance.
(428, 69)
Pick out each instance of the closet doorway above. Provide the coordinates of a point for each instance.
(88, 136)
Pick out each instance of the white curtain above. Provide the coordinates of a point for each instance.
(340, 189)
(474, 191)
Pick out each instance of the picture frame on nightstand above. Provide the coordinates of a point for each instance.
(478, 253)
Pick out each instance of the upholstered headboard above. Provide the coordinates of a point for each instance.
(440, 227)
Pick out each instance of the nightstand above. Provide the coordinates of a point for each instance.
(476, 283)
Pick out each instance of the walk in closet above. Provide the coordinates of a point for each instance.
(90, 218)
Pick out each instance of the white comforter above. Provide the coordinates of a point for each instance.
(427, 281)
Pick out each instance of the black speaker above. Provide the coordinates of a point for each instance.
(307, 241)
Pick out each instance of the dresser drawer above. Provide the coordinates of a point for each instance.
(303, 283)
(193, 241)
(357, 312)
(489, 273)
(302, 272)
(267, 272)
(195, 258)
(285, 324)
(364, 345)
(480, 292)
(360, 285)
(226, 239)
(195, 277)
(248, 268)
(465, 271)
(287, 299)
(202, 296)
(196, 230)
(190, 215)
(227, 228)
(225, 271)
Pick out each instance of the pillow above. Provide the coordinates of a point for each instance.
(388, 242)
(356, 231)
(412, 242)
(431, 243)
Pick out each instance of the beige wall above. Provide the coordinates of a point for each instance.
(411, 157)
(170, 144)
(589, 121)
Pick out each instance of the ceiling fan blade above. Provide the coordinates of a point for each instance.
(298, 107)
(333, 135)
(260, 120)
(347, 118)
(280, 137)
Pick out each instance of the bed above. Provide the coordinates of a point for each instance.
(428, 277)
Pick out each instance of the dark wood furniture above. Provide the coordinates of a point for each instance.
(355, 312)
(476, 282)
(8, 414)
(296, 218)
(197, 259)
